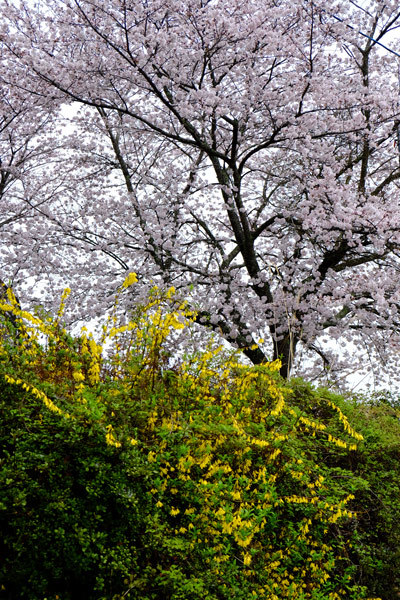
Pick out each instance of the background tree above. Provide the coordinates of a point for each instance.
(29, 145)
(245, 151)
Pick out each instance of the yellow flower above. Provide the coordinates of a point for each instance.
(110, 439)
(129, 280)
(247, 559)
(151, 457)
(78, 376)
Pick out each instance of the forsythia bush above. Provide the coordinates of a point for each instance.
(125, 477)
(372, 474)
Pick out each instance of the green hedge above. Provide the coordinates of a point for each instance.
(373, 472)
(72, 509)
(124, 477)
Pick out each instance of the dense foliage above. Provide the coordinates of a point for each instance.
(127, 474)
(372, 472)
(377, 541)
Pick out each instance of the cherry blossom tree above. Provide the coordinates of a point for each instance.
(29, 140)
(244, 152)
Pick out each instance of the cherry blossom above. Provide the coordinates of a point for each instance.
(243, 152)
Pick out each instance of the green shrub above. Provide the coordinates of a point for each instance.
(71, 510)
(373, 474)
(126, 478)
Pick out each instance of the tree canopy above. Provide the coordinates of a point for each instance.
(244, 152)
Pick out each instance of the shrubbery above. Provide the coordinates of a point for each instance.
(125, 478)
(372, 473)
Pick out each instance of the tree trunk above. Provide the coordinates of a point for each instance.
(285, 350)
